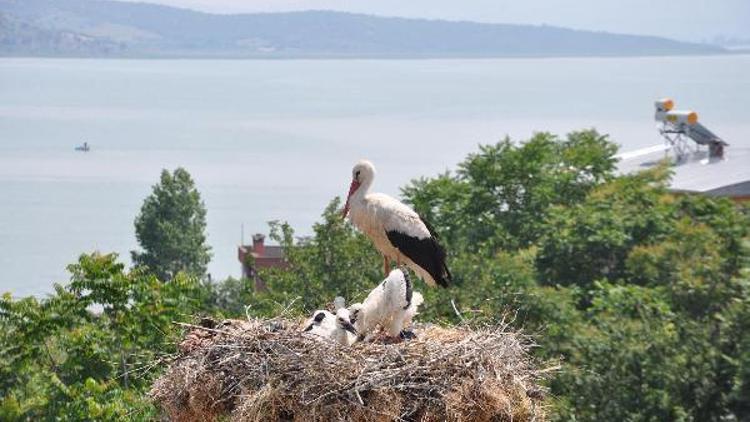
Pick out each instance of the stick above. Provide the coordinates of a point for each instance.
(455, 309)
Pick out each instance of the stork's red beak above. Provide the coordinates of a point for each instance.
(352, 188)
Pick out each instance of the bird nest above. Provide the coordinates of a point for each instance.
(261, 370)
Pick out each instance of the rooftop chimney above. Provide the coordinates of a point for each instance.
(258, 246)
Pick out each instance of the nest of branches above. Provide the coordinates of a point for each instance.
(269, 370)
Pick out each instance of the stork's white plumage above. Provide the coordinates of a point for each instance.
(391, 305)
(344, 333)
(397, 231)
(337, 327)
(321, 324)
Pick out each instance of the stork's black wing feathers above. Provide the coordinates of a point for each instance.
(409, 289)
(427, 253)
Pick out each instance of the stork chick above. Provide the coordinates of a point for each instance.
(336, 327)
(391, 305)
(344, 332)
(321, 324)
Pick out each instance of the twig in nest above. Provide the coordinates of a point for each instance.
(455, 309)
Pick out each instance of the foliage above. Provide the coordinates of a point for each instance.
(171, 228)
(83, 352)
(591, 239)
(335, 261)
(229, 297)
(640, 291)
(499, 198)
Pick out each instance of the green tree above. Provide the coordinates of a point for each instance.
(500, 197)
(640, 291)
(336, 261)
(171, 228)
(591, 239)
(83, 352)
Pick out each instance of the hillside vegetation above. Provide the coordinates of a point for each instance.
(642, 295)
(126, 29)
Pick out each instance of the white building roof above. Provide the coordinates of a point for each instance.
(721, 177)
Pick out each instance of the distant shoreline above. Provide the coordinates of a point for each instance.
(371, 56)
(113, 29)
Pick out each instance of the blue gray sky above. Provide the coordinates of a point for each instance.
(694, 20)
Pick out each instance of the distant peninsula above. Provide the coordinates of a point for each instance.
(98, 28)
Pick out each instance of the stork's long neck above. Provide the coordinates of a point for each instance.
(363, 190)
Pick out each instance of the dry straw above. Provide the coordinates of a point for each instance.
(267, 370)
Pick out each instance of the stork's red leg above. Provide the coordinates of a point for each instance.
(386, 265)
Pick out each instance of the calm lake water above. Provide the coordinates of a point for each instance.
(269, 140)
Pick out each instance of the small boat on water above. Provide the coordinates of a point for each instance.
(83, 148)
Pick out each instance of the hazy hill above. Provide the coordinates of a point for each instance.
(108, 28)
(22, 38)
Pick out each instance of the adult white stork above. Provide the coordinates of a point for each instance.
(398, 232)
